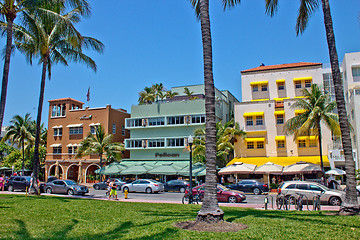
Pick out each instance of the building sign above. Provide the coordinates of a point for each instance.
(85, 117)
(167, 155)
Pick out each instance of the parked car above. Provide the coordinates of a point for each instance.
(310, 190)
(103, 185)
(17, 183)
(143, 185)
(252, 186)
(176, 185)
(223, 194)
(69, 187)
(50, 179)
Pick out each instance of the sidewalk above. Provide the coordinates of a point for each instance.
(242, 205)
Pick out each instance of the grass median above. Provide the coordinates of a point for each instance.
(49, 217)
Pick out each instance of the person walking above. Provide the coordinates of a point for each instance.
(113, 190)
(31, 183)
(2, 182)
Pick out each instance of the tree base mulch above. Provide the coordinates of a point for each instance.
(221, 226)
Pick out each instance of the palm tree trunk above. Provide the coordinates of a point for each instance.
(38, 123)
(210, 211)
(350, 204)
(5, 79)
(101, 165)
(320, 152)
(23, 157)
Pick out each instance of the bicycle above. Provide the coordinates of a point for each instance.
(196, 198)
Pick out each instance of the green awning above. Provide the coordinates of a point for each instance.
(137, 170)
(198, 169)
(166, 169)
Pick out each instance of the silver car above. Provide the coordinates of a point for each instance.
(65, 187)
(291, 189)
(143, 185)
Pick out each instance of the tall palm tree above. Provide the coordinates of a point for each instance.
(210, 211)
(170, 94)
(318, 108)
(20, 132)
(100, 143)
(52, 40)
(189, 93)
(306, 9)
(10, 9)
(147, 96)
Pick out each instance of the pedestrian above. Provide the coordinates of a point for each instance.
(108, 188)
(2, 182)
(222, 180)
(113, 190)
(273, 180)
(31, 183)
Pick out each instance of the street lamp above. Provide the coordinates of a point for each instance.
(190, 141)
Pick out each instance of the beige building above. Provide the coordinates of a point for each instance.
(268, 93)
(69, 123)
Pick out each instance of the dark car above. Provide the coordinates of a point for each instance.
(69, 187)
(252, 186)
(103, 185)
(223, 194)
(17, 183)
(176, 185)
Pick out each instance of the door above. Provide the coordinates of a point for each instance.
(303, 189)
(134, 187)
(143, 185)
(221, 197)
(57, 187)
(316, 190)
(17, 183)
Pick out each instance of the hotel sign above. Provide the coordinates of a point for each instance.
(161, 155)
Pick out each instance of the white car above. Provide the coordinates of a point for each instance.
(144, 185)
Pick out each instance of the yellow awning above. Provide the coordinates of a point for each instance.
(299, 111)
(280, 81)
(255, 139)
(313, 137)
(300, 97)
(252, 114)
(283, 161)
(265, 99)
(302, 79)
(279, 113)
(307, 138)
(281, 99)
(259, 83)
(280, 138)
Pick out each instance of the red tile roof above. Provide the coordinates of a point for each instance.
(65, 99)
(281, 66)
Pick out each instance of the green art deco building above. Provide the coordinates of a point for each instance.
(159, 131)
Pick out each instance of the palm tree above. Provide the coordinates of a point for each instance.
(9, 9)
(52, 40)
(307, 7)
(189, 93)
(317, 109)
(147, 96)
(20, 132)
(100, 143)
(170, 94)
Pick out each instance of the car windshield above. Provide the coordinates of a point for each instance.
(70, 182)
(27, 179)
(153, 181)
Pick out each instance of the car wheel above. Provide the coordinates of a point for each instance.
(70, 192)
(256, 191)
(182, 190)
(126, 189)
(148, 190)
(96, 187)
(48, 191)
(292, 200)
(11, 188)
(232, 199)
(335, 201)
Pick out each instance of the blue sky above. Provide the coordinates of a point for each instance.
(159, 41)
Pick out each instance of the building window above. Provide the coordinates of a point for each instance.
(75, 130)
(175, 120)
(53, 111)
(56, 150)
(250, 145)
(92, 129)
(307, 83)
(114, 128)
(134, 122)
(156, 143)
(259, 120)
(281, 86)
(255, 88)
(72, 150)
(279, 119)
(260, 145)
(159, 121)
(57, 131)
(198, 119)
(356, 74)
(357, 91)
(264, 88)
(297, 84)
(302, 143)
(312, 143)
(175, 142)
(352, 114)
(123, 130)
(134, 143)
(249, 121)
(281, 144)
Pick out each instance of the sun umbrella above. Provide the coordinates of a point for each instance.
(5, 169)
(80, 172)
(136, 170)
(301, 168)
(166, 169)
(269, 168)
(111, 169)
(238, 168)
(196, 169)
(335, 171)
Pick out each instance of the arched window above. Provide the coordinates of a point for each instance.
(63, 110)
(58, 110)
(53, 111)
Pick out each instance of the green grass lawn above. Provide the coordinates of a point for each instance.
(65, 218)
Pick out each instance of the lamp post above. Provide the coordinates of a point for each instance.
(190, 141)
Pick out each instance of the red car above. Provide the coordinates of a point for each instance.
(223, 194)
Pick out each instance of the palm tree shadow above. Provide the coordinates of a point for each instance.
(22, 232)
